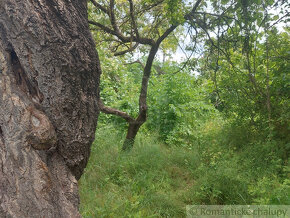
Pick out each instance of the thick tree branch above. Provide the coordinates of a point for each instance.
(147, 70)
(113, 18)
(108, 110)
(133, 19)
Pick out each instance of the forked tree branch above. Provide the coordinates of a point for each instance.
(135, 124)
(116, 30)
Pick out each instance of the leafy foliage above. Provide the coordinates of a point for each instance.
(219, 136)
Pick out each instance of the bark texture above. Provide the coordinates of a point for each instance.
(49, 80)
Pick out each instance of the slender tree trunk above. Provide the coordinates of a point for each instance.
(48, 105)
(134, 124)
(132, 131)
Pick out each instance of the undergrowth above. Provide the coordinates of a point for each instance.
(223, 165)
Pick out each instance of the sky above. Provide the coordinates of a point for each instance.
(181, 55)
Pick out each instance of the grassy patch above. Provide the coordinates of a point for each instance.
(157, 180)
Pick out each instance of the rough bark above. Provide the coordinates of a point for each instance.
(48, 105)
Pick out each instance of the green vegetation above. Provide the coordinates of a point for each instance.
(224, 165)
(188, 152)
(219, 136)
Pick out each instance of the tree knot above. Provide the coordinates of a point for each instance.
(42, 133)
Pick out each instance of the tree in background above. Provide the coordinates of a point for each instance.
(246, 58)
(130, 24)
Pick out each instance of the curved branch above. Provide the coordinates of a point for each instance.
(108, 110)
(104, 28)
(132, 48)
(113, 19)
(147, 70)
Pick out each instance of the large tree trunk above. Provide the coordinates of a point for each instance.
(48, 105)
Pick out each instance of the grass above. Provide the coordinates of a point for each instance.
(150, 181)
(156, 180)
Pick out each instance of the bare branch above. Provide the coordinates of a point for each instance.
(99, 6)
(108, 110)
(134, 25)
(104, 28)
(113, 20)
(144, 41)
(130, 49)
(280, 19)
